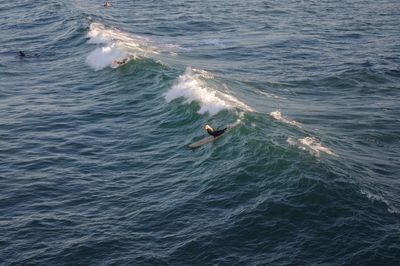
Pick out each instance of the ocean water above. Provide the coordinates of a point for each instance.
(95, 167)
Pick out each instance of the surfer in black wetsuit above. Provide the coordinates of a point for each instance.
(21, 54)
(123, 61)
(214, 133)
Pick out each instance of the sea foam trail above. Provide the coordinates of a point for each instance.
(278, 116)
(116, 45)
(190, 86)
(372, 197)
(310, 144)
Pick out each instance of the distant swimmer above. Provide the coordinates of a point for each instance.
(21, 54)
(107, 4)
(214, 133)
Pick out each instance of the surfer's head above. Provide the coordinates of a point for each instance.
(207, 127)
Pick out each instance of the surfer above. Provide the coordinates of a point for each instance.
(117, 63)
(107, 4)
(214, 133)
(21, 54)
(121, 62)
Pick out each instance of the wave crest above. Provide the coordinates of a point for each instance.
(116, 46)
(190, 86)
(278, 116)
(310, 144)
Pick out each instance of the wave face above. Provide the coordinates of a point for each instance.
(192, 88)
(95, 164)
(115, 45)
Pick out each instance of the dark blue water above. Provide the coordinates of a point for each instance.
(95, 167)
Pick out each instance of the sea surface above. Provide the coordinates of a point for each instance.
(95, 167)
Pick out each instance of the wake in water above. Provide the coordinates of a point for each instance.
(278, 116)
(310, 144)
(192, 86)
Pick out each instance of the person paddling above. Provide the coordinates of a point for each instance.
(214, 133)
(120, 62)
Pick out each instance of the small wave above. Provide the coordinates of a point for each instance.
(100, 34)
(192, 88)
(310, 144)
(315, 146)
(373, 197)
(271, 95)
(116, 45)
(278, 116)
(203, 73)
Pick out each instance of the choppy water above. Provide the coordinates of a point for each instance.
(95, 167)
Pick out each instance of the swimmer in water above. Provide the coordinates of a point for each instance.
(107, 4)
(214, 133)
(21, 54)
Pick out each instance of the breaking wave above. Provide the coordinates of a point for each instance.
(191, 87)
(116, 45)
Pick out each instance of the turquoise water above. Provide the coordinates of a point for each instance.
(94, 161)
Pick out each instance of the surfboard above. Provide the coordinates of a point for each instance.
(211, 138)
(204, 141)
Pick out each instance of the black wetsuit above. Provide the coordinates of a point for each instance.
(216, 133)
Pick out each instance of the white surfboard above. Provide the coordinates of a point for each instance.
(204, 141)
(211, 138)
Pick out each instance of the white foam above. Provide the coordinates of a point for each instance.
(278, 116)
(102, 57)
(315, 146)
(310, 144)
(271, 95)
(98, 34)
(237, 122)
(291, 141)
(203, 73)
(372, 197)
(190, 86)
(116, 45)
